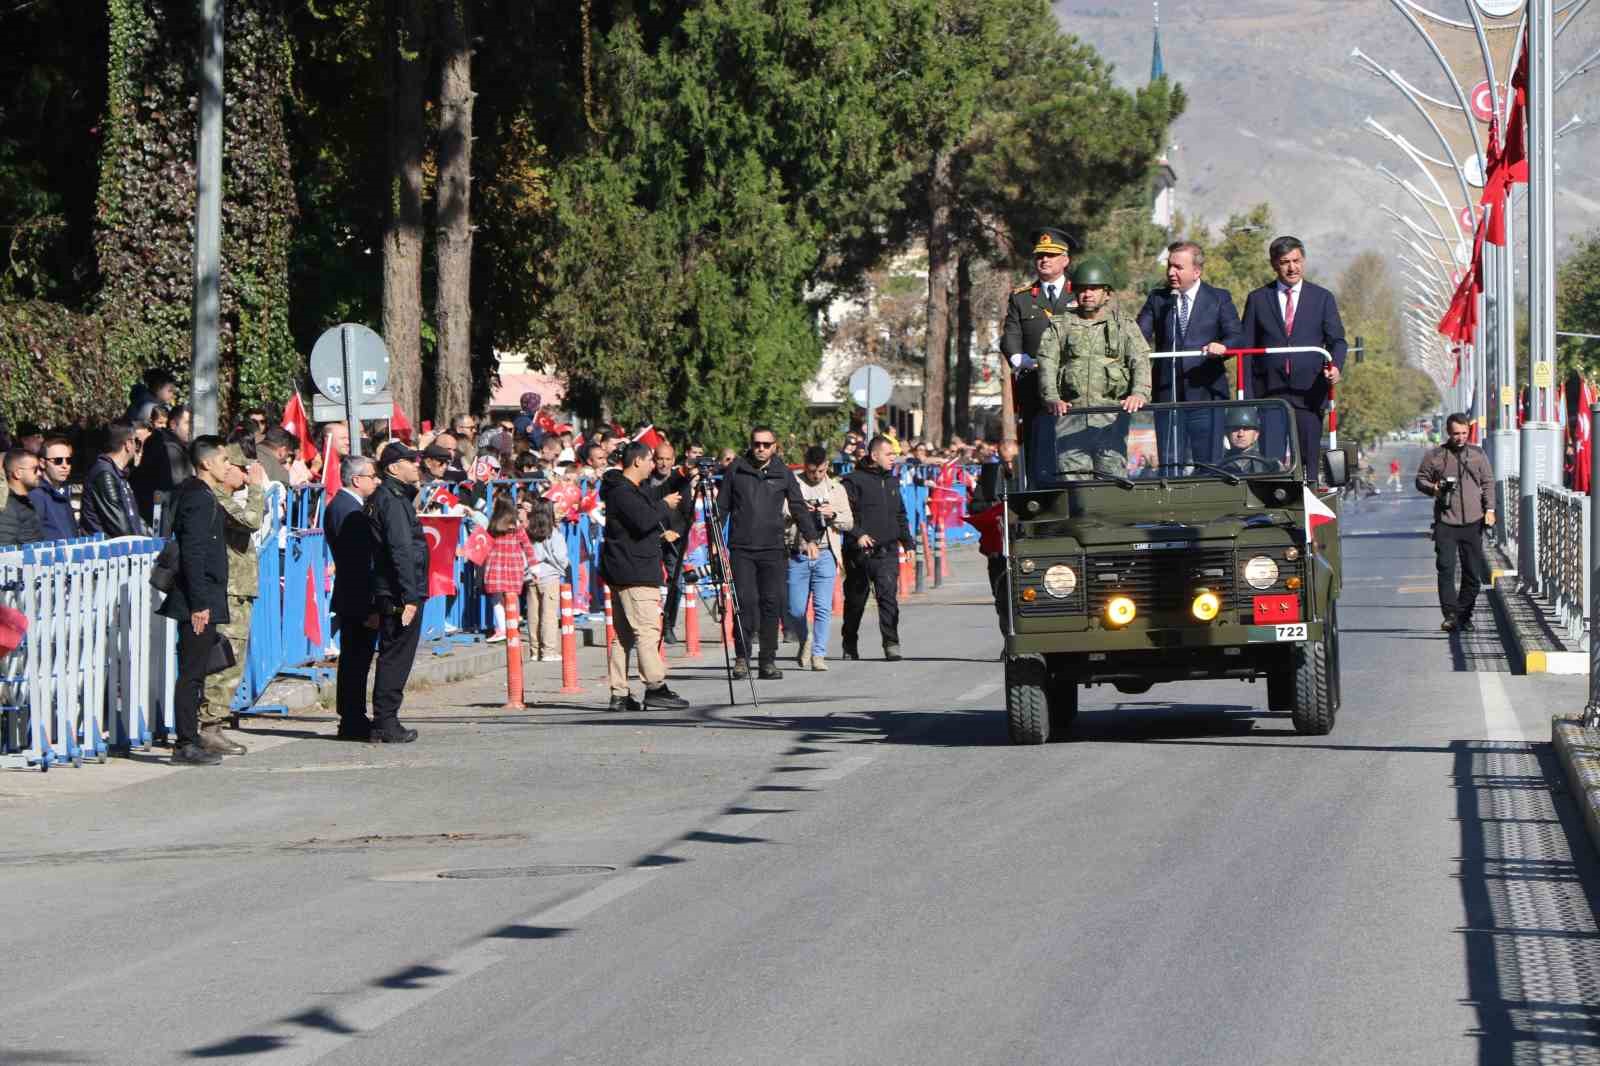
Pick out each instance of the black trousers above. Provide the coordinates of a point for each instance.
(194, 655)
(1463, 545)
(397, 650)
(357, 645)
(880, 571)
(672, 559)
(760, 578)
(1307, 429)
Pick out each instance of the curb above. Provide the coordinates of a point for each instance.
(1510, 607)
(1579, 751)
(431, 668)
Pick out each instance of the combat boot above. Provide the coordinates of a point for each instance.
(212, 740)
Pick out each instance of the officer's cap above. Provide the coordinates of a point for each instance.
(1053, 241)
(1242, 418)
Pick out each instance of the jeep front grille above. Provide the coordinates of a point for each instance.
(1162, 581)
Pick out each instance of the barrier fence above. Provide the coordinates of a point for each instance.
(94, 672)
(1563, 550)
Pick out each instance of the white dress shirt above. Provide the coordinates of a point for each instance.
(1283, 298)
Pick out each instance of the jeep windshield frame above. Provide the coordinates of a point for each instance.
(1130, 442)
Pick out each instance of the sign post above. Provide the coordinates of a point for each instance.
(870, 386)
(350, 370)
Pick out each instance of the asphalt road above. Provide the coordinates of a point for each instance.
(863, 873)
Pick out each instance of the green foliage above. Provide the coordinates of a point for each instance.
(55, 366)
(1381, 393)
(1578, 308)
(1236, 255)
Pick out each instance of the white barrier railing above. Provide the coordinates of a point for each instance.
(81, 678)
(1563, 555)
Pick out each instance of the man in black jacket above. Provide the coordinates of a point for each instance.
(19, 522)
(870, 555)
(630, 562)
(349, 535)
(108, 502)
(399, 587)
(754, 489)
(199, 600)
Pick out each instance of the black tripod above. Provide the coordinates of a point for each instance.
(719, 576)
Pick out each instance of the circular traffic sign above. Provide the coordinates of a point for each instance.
(369, 362)
(869, 386)
(1481, 100)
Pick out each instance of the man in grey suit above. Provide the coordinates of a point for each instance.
(1187, 315)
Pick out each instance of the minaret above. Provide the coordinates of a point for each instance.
(1158, 69)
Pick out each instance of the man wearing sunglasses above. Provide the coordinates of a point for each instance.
(754, 489)
(52, 500)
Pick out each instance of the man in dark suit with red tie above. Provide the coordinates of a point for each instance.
(1189, 315)
(1292, 312)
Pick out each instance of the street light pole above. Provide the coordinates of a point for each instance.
(204, 362)
(1540, 460)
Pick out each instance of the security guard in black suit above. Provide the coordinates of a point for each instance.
(1028, 313)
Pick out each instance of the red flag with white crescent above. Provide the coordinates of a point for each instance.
(442, 532)
(1318, 513)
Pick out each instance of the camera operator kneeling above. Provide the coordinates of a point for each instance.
(1458, 477)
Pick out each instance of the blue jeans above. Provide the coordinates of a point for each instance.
(810, 579)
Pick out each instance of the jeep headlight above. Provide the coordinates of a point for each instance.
(1060, 581)
(1261, 572)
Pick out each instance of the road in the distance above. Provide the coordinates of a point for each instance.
(868, 873)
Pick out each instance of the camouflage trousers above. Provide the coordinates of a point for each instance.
(217, 703)
(1091, 444)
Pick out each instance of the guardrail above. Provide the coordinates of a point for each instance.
(1563, 552)
(1509, 509)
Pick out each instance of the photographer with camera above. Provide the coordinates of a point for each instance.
(754, 490)
(1458, 477)
(811, 576)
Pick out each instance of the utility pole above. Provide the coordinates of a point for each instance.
(208, 223)
(1540, 461)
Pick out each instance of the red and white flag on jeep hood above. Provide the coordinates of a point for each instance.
(1317, 512)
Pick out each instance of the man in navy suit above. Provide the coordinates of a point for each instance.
(1189, 314)
(1292, 312)
(349, 536)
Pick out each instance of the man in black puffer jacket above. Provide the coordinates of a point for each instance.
(870, 556)
(754, 490)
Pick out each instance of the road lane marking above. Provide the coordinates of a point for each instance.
(1500, 721)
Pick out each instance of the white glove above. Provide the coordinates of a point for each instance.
(1022, 362)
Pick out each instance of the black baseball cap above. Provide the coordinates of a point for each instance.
(397, 452)
(435, 450)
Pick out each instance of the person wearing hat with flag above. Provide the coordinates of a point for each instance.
(1028, 313)
(240, 521)
(399, 586)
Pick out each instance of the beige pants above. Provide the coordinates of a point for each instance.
(544, 618)
(636, 614)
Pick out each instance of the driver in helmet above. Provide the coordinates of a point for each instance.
(1242, 453)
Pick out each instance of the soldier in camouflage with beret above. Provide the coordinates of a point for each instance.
(1093, 356)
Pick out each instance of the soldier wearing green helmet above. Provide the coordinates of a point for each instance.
(1092, 357)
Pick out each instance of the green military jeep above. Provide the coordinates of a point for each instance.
(1127, 568)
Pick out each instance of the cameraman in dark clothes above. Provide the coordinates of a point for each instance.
(1458, 477)
(754, 489)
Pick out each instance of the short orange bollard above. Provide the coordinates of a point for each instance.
(838, 590)
(513, 653)
(611, 624)
(691, 622)
(727, 616)
(569, 644)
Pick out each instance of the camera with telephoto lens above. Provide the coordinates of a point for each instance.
(708, 571)
(1447, 488)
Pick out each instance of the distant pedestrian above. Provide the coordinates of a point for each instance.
(1394, 475)
(19, 521)
(510, 558)
(871, 558)
(158, 389)
(349, 537)
(52, 500)
(109, 506)
(811, 577)
(198, 601)
(1458, 477)
(399, 587)
(550, 564)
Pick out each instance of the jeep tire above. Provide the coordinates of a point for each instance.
(1027, 700)
(1316, 681)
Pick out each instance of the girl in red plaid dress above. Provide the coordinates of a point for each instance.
(510, 555)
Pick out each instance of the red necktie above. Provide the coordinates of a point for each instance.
(1288, 323)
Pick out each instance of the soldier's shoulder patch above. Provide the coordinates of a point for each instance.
(1021, 289)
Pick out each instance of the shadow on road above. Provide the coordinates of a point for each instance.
(1530, 884)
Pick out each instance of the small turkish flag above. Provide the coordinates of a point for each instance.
(649, 437)
(295, 421)
(331, 484)
(400, 425)
(313, 617)
(1317, 512)
(442, 531)
(477, 549)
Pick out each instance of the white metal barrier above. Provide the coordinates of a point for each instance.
(1563, 554)
(82, 678)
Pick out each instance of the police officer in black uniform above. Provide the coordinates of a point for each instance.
(399, 586)
(1028, 313)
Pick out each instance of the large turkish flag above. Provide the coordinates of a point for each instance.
(443, 532)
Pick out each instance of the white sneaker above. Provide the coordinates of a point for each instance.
(497, 638)
(804, 658)
(819, 662)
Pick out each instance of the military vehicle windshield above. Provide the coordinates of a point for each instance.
(1216, 441)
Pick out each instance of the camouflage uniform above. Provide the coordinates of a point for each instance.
(1093, 362)
(241, 520)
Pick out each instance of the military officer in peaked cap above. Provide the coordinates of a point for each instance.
(1028, 314)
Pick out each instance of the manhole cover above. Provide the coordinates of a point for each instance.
(522, 871)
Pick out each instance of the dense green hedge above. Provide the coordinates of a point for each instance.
(55, 366)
